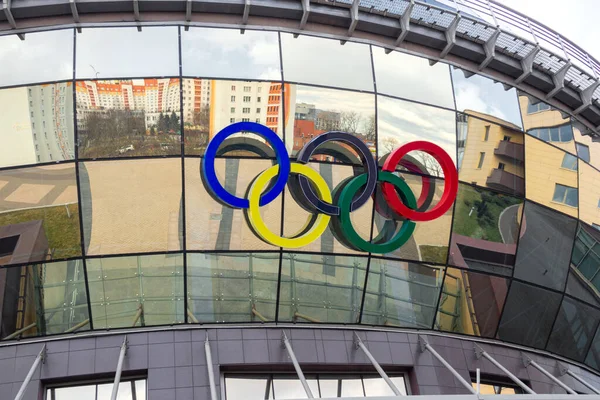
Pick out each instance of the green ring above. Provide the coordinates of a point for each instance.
(345, 201)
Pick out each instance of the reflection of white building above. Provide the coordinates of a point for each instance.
(196, 96)
(153, 96)
(51, 111)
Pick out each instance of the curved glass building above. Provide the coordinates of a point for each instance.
(153, 246)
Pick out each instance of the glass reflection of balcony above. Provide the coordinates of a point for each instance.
(505, 181)
(510, 149)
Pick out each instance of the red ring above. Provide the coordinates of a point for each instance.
(450, 182)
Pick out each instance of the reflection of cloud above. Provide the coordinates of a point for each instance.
(336, 100)
(22, 60)
(405, 121)
(226, 53)
(481, 94)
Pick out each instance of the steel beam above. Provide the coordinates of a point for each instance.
(18, 332)
(211, 373)
(527, 64)
(9, 17)
(305, 14)
(136, 14)
(246, 14)
(479, 352)
(490, 49)
(450, 34)
(354, 17)
(405, 23)
(559, 80)
(528, 361)
(359, 344)
(587, 97)
(565, 370)
(286, 344)
(75, 13)
(188, 14)
(117, 381)
(423, 345)
(41, 358)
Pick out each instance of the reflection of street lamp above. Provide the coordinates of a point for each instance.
(96, 72)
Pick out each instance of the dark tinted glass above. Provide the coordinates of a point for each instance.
(401, 294)
(528, 315)
(585, 266)
(574, 329)
(593, 356)
(485, 230)
(320, 288)
(471, 303)
(545, 247)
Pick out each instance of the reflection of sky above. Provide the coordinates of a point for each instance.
(15, 128)
(41, 57)
(125, 52)
(326, 62)
(226, 53)
(405, 122)
(336, 100)
(481, 94)
(411, 77)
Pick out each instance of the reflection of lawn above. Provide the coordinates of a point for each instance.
(437, 254)
(61, 231)
(144, 145)
(484, 226)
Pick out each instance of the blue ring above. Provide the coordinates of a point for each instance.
(208, 164)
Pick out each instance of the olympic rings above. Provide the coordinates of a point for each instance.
(311, 191)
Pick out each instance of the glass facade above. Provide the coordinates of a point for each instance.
(105, 221)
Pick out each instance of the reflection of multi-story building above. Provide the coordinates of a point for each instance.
(490, 152)
(196, 96)
(51, 110)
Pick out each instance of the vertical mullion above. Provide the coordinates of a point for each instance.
(281, 225)
(183, 212)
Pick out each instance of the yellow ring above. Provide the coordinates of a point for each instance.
(255, 219)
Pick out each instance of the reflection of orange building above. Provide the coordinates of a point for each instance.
(304, 131)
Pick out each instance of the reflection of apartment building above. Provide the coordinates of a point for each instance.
(196, 96)
(152, 96)
(490, 153)
(51, 113)
(546, 123)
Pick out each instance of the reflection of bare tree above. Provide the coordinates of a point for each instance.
(433, 167)
(370, 129)
(102, 126)
(202, 118)
(350, 121)
(389, 144)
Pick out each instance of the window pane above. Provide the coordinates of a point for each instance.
(39, 214)
(120, 217)
(471, 303)
(545, 247)
(226, 53)
(559, 193)
(485, 230)
(124, 52)
(554, 135)
(75, 392)
(583, 152)
(412, 78)
(528, 315)
(566, 133)
(245, 388)
(136, 290)
(292, 388)
(572, 198)
(55, 296)
(482, 95)
(352, 387)
(376, 386)
(308, 282)
(569, 162)
(589, 194)
(139, 117)
(233, 287)
(305, 56)
(21, 60)
(593, 356)
(329, 387)
(401, 294)
(105, 392)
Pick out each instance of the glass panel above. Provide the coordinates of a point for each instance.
(589, 194)
(399, 122)
(528, 315)
(497, 162)
(593, 148)
(574, 329)
(305, 56)
(125, 392)
(318, 110)
(352, 387)
(407, 297)
(75, 392)
(412, 78)
(213, 226)
(544, 173)
(331, 240)
(547, 124)
(21, 59)
(376, 386)
(485, 230)
(585, 266)
(36, 124)
(583, 152)
(138, 117)
(220, 53)
(545, 247)
(593, 356)
(488, 99)
(246, 388)
(569, 162)
(239, 287)
(318, 288)
(48, 298)
(471, 303)
(136, 290)
(118, 214)
(291, 388)
(429, 241)
(329, 387)
(211, 105)
(39, 214)
(108, 53)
